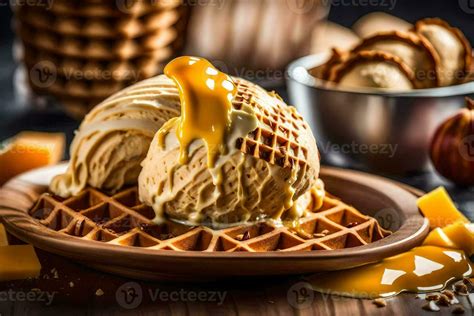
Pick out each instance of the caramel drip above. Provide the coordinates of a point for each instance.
(206, 100)
(422, 269)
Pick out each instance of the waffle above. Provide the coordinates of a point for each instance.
(449, 75)
(422, 59)
(105, 49)
(129, 27)
(81, 88)
(117, 70)
(114, 8)
(122, 220)
(277, 139)
(338, 73)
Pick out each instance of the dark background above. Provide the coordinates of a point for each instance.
(346, 12)
(410, 10)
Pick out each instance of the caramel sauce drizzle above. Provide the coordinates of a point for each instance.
(422, 269)
(206, 96)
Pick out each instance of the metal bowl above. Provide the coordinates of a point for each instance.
(374, 130)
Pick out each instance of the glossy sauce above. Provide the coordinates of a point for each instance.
(422, 269)
(206, 105)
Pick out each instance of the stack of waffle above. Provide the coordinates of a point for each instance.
(80, 52)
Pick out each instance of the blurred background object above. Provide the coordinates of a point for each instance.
(30, 150)
(80, 52)
(452, 147)
(383, 125)
(377, 22)
(332, 35)
(254, 39)
(105, 46)
(368, 129)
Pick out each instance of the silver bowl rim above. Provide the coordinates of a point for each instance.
(298, 71)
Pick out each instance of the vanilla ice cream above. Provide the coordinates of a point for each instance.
(374, 70)
(413, 50)
(255, 168)
(452, 47)
(115, 136)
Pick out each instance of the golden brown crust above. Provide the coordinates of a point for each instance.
(412, 39)
(98, 49)
(114, 70)
(98, 27)
(324, 72)
(169, 235)
(371, 56)
(457, 32)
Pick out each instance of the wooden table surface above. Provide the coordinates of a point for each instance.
(67, 288)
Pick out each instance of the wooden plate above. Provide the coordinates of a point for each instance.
(394, 207)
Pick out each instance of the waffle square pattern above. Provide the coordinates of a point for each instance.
(122, 220)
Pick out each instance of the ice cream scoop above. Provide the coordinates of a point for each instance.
(454, 50)
(374, 69)
(375, 22)
(415, 51)
(236, 154)
(115, 136)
